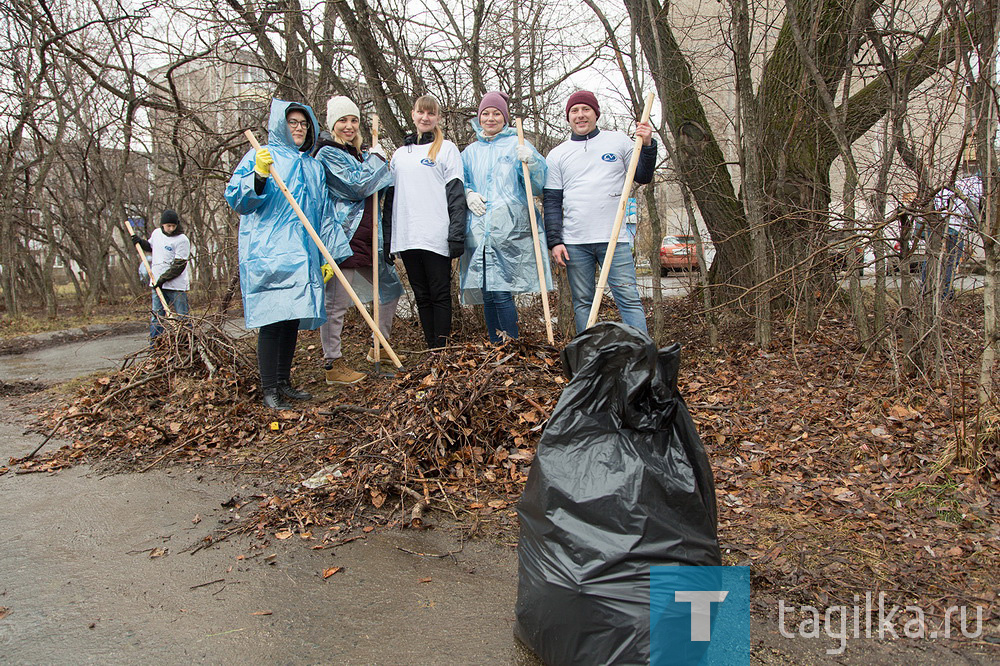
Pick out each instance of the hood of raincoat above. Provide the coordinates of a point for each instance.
(280, 274)
(277, 126)
(499, 251)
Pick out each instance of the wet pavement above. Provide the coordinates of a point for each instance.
(61, 363)
(77, 574)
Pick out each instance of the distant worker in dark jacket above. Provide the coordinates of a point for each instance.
(170, 250)
(582, 190)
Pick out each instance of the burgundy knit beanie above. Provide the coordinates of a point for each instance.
(583, 97)
(495, 100)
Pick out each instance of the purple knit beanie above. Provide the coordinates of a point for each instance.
(495, 100)
(583, 97)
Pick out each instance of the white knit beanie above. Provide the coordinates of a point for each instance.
(338, 107)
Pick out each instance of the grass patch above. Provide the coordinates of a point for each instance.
(16, 327)
(938, 497)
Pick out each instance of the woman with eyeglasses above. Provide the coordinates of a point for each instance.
(280, 274)
(425, 216)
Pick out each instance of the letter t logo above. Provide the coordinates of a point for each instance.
(701, 610)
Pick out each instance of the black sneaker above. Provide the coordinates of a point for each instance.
(285, 389)
(272, 399)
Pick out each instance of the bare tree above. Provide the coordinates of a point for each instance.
(799, 144)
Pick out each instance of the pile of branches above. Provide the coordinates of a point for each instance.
(826, 470)
(191, 350)
(459, 430)
(456, 430)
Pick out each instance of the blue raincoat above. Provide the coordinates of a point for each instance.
(280, 272)
(349, 182)
(499, 241)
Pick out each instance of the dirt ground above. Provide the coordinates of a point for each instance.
(103, 569)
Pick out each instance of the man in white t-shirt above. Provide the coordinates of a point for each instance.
(582, 190)
(171, 250)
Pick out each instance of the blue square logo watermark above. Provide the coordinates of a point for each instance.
(697, 615)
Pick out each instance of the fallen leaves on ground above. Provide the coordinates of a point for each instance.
(826, 463)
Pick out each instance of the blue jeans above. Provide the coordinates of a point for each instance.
(954, 245)
(500, 314)
(583, 262)
(176, 300)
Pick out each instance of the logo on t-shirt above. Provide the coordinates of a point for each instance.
(609, 157)
(427, 161)
(168, 248)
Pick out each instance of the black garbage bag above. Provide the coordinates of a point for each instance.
(620, 482)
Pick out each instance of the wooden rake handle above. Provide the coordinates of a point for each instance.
(149, 270)
(535, 239)
(375, 251)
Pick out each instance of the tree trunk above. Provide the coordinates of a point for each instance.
(798, 146)
(986, 114)
(750, 144)
(656, 230)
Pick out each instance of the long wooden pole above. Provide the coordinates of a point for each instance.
(329, 258)
(622, 203)
(149, 270)
(376, 262)
(534, 239)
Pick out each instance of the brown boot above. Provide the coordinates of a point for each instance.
(340, 373)
(383, 356)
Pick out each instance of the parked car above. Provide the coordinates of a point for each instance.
(678, 253)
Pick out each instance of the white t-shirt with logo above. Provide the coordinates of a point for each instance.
(420, 206)
(591, 174)
(165, 250)
(960, 216)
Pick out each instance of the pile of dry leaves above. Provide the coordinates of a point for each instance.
(456, 429)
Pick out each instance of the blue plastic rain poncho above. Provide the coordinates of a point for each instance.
(499, 241)
(279, 263)
(349, 182)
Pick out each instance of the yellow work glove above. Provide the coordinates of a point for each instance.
(327, 272)
(262, 162)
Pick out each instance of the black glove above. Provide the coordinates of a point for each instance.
(135, 239)
(455, 249)
(159, 284)
(390, 259)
